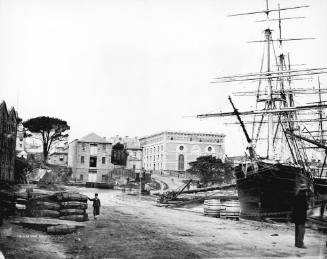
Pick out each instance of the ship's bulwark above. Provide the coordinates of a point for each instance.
(268, 190)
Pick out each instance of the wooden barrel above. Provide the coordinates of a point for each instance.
(75, 217)
(73, 205)
(61, 229)
(66, 212)
(205, 207)
(232, 209)
(213, 208)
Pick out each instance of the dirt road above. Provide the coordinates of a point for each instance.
(130, 228)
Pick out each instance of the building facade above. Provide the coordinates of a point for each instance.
(59, 156)
(8, 133)
(90, 158)
(173, 151)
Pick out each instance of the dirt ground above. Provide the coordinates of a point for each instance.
(133, 228)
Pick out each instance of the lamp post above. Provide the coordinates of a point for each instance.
(141, 173)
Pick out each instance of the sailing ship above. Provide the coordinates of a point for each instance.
(277, 160)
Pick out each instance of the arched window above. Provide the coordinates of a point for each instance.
(181, 162)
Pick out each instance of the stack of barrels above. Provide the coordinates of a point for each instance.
(212, 208)
(231, 210)
(226, 210)
(62, 205)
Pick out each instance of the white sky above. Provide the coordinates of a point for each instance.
(136, 67)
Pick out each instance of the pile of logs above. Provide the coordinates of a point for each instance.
(12, 203)
(7, 202)
(62, 205)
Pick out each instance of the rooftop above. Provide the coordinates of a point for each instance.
(208, 134)
(93, 138)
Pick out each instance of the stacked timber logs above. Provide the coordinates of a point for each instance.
(72, 206)
(7, 202)
(12, 203)
(61, 229)
(62, 205)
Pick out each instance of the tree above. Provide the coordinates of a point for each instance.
(211, 169)
(50, 131)
(119, 154)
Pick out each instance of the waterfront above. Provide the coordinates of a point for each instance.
(133, 228)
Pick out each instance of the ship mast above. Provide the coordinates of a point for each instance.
(277, 102)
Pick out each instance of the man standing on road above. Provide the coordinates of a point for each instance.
(96, 205)
(300, 215)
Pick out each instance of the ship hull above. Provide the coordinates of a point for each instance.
(320, 186)
(268, 190)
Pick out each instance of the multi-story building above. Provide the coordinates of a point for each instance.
(173, 151)
(8, 133)
(90, 158)
(59, 156)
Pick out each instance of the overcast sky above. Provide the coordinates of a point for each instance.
(136, 67)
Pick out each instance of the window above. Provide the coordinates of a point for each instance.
(61, 158)
(104, 147)
(93, 161)
(190, 139)
(181, 148)
(134, 167)
(83, 147)
(20, 145)
(181, 162)
(171, 138)
(82, 159)
(209, 149)
(103, 160)
(81, 177)
(93, 149)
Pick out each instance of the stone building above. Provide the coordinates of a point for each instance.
(90, 158)
(59, 156)
(172, 151)
(8, 133)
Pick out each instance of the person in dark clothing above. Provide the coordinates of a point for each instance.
(300, 215)
(96, 205)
